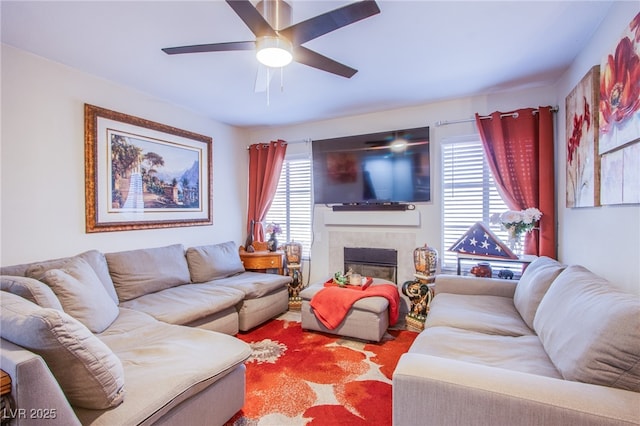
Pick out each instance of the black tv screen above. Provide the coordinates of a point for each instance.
(376, 168)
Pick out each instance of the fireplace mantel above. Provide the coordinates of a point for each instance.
(408, 218)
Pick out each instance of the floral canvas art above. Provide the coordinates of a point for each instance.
(583, 165)
(620, 91)
(619, 115)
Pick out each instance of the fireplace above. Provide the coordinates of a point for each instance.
(400, 241)
(372, 262)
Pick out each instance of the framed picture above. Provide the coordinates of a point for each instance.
(619, 145)
(583, 161)
(620, 91)
(143, 175)
(621, 176)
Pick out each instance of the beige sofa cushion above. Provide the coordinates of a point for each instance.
(31, 289)
(138, 272)
(82, 295)
(99, 264)
(166, 364)
(88, 372)
(591, 330)
(481, 313)
(93, 257)
(533, 285)
(186, 303)
(215, 261)
(254, 285)
(518, 353)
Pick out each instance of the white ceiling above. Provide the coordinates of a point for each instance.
(413, 52)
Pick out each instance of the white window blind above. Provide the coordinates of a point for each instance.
(291, 206)
(469, 193)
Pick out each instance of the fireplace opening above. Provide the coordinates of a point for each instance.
(372, 262)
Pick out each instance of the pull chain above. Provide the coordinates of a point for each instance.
(281, 79)
(269, 83)
(268, 79)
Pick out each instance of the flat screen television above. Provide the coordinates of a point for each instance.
(378, 168)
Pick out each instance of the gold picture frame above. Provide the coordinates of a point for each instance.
(142, 174)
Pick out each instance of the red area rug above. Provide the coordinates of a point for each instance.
(297, 377)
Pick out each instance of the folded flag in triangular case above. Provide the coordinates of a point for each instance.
(479, 240)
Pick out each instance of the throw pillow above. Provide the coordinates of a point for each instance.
(88, 372)
(139, 272)
(533, 285)
(93, 257)
(591, 330)
(215, 261)
(33, 290)
(82, 295)
(99, 264)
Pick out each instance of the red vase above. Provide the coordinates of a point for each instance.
(482, 269)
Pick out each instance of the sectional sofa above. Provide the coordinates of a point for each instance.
(559, 347)
(134, 337)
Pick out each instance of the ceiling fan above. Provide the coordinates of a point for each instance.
(278, 42)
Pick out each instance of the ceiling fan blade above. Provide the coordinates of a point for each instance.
(214, 47)
(252, 18)
(313, 59)
(330, 21)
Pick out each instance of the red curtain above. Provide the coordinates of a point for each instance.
(265, 165)
(519, 149)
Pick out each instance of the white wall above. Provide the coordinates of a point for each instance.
(42, 159)
(604, 239)
(430, 213)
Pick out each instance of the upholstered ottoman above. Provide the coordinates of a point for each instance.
(367, 319)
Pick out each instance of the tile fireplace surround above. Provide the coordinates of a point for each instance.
(403, 242)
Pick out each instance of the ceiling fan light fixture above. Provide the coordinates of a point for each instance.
(399, 144)
(274, 52)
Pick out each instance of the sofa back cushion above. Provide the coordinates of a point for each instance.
(139, 272)
(31, 289)
(88, 372)
(98, 262)
(93, 257)
(15, 270)
(591, 330)
(212, 262)
(533, 285)
(82, 295)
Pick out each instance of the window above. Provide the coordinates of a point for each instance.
(469, 193)
(291, 206)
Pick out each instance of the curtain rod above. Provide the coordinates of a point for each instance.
(308, 140)
(483, 117)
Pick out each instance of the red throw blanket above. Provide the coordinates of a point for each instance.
(331, 304)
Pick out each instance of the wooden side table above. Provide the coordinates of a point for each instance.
(7, 408)
(261, 261)
(5, 383)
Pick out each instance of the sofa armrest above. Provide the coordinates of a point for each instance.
(439, 391)
(460, 284)
(36, 394)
